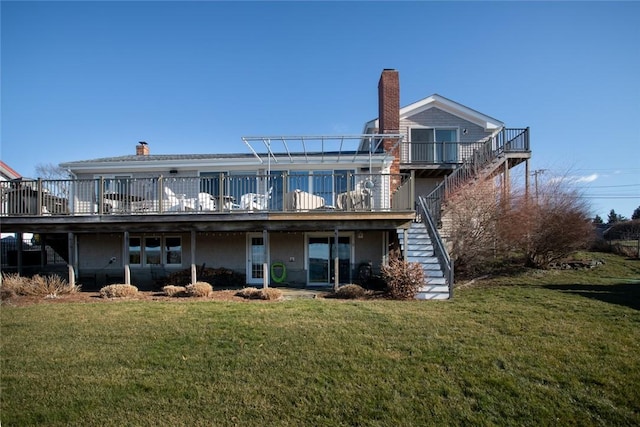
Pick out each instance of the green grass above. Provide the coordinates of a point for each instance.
(553, 348)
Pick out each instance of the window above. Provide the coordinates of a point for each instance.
(155, 251)
(434, 145)
(134, 250)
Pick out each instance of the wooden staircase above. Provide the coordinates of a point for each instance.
(504, 149)
(419, 248)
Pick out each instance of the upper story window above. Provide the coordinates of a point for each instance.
(434, 145)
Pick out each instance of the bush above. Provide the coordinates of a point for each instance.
(269, 294)
(199, 289)
(404, 279)
(350, 292)
(51, 286)
(174, 291)
(118, 291)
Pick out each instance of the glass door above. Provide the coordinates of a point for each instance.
(255, 259)
(322, 251)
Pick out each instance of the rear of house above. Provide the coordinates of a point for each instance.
(298, 211)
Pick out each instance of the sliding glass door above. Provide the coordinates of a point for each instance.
(321, 252)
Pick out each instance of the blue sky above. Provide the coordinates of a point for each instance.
(83, 80)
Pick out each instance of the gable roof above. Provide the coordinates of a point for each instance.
(7, 172)
(444, 104)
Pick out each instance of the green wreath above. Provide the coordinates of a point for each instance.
(283, 274)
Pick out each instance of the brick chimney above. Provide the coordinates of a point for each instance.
(142, 149)
(389, 116)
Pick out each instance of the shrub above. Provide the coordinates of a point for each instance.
(350, 292)
(403, 278)
(51, 286)
(118, 291)
(199, 289)
(268, 294)
(174, 291)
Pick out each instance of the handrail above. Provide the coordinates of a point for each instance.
(500, 142)
(439, 249)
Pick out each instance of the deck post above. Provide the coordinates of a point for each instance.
(125, 258)
(19, 251)
(194, 277)
(39, 198)
(336, 263)
(265, 263)
(72, 275)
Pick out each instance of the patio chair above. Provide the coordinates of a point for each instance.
(255, 201)
(178, 202)
(206, 202)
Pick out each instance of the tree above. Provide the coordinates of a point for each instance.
(614, 217)
(598, 220)
(636, 213)
(50, 171)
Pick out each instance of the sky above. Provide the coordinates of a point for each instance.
(84, 80)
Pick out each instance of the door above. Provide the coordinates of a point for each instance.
(321, 253)
(255, 259)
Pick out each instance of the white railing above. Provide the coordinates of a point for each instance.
(220, 193)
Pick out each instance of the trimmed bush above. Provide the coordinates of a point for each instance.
(350, 292)
(174, 291)
(403, 278)
(118, 291)
(199, 289)
(269, 294)
(49, 286)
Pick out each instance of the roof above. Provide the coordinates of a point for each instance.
(7, 173)
(263, 151)
(444, 104)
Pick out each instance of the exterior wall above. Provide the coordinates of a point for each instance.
(285, 247)
(434, 117)
(425, 185)
(226, 250)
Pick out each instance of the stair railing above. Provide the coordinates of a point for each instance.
(439, 249)
(496, 145)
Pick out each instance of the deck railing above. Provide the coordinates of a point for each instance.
(223, 193)
(457, 152)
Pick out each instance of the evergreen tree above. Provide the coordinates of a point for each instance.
(636, 213)
(613, 217)
(598, 220)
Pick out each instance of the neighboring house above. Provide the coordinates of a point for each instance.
(7, 173)
(322, 210)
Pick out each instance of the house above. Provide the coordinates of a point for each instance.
(312, 211)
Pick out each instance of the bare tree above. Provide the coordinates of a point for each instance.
(50, 171)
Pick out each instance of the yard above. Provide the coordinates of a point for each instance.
(537, 348)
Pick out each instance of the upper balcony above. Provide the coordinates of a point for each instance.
(434, 158)
(220, 194)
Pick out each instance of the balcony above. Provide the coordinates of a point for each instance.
(216, 194)
(443, 157)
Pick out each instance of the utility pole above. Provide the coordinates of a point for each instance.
(535, 174)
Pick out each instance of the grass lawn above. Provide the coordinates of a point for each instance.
(540, 348)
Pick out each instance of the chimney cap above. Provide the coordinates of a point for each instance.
(142, 142)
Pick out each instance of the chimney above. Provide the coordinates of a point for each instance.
(389, 102)
(142, 149)
(389, 117)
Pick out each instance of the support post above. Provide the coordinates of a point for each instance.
(526, 180)
(19, 251)
(126, 258)
(72, 276)
(336, 263)
(194, 277)
(39, 198)
(265, 264)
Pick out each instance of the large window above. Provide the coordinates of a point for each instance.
(434, 145)
(155, 250)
